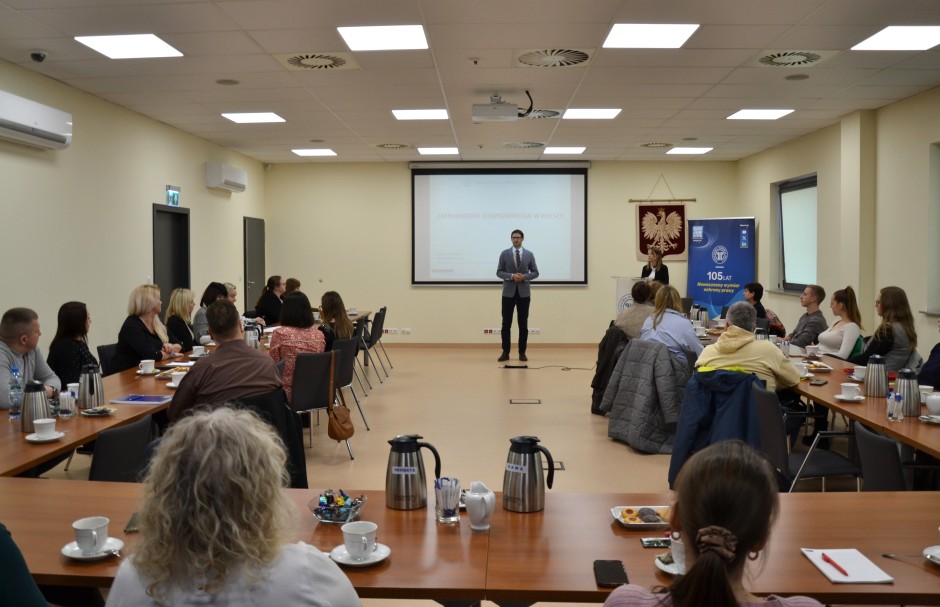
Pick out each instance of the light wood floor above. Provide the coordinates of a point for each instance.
(458, 400)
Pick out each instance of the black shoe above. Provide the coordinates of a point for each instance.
(503, 357)
(523, 357)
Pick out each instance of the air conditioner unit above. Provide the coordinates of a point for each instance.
(34, 124)
(225, 177)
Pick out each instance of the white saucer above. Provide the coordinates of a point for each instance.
(671, 569)
(807, 376)
(930, 419)
(197, 356)
(855, 379)
(850, 399)
(142, 372)
(932, 554)
(72, 550)
(342, 557)
(35, 438)
(171, 385)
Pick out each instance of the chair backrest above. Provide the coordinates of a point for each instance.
(687, 305)
(762, 323)
(724, 311)
(378, 327)
(105, 357)
(121, 453)
(773, 435)
(312, 382)
(272, 407)
(345, 361)
(881, 462)
(359, 331)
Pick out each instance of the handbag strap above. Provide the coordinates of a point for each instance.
(332, 372)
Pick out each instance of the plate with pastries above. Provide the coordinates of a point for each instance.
(167, 374)
(815, 366)
(642, 517)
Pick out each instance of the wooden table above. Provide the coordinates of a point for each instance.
(871, 411)
(542, 556)
(17, 455)
(428, 561)
(548, 556)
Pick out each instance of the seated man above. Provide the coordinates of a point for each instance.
(738, 347)
(812, 323)
(19, 345)
(233, 371)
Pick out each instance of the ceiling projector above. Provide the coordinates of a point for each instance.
(495, 111)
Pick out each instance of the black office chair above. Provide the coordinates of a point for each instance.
(687, 303)
(345, 367)
(359, 331)
(121, 453)
(106, 357)
(881, 461)
(370, 339)
(763, 324)
(313, 389)
(794, 467)
(724, 311)
(272, 407)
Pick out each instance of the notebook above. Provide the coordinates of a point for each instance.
(142, 399)
(860, 570)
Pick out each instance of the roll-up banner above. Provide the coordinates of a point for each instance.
(722, 259)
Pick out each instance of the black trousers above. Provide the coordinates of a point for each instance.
(522, 303)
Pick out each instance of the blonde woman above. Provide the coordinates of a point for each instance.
(143, 336)
(179, 315)
(668, 325)
(215, 524)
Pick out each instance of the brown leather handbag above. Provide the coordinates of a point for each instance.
(340, 425)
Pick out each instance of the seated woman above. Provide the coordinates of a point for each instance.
(840, 339)
(631, 319)
(68, 352)
(215, 524)
(178, 314)
(654, 268)
(291, 285)
(895, 338)
(296, 335)
(726, 504)
(269, 304)
(214, 292)
(142, 335)
(930, 372)
(753, 292)
(335, 323)
(668, 325)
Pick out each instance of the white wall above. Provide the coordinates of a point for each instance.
(77, 223)
(349, 225)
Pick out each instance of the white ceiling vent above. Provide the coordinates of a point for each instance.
(553, 57)
(655, 145)
(302, 62)
(800, 59)
(538, 114)
(522, 145)
(392, 146)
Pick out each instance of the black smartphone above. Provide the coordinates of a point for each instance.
(818, 382)
(610, 574)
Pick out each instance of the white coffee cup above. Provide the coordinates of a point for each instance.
(359, 539)
(678, 554)
(933, 403)
(91, 533)
(199, 350)
(812, 350)
(721, 322)
(924, 391)
(177, 376)
(73, 389)
(352, 311)
(700, 331)
(44, 427)
(850, 390)
(859, 372)
(696, 323)
(146, 366)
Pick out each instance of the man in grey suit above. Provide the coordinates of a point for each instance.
(516, 269)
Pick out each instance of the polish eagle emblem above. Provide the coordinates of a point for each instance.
(662, 230)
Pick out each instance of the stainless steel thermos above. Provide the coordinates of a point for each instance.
(406, 486)
(524, 478)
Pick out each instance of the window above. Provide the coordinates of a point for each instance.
(797, 208)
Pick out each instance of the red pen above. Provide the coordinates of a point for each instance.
(834, 564)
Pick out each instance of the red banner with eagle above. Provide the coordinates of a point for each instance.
(662, 226)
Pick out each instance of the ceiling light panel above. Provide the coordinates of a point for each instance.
(564, 150)
(420, 114)
(649, 35)
(253, 117)
(384, 37)
(136, 46)
(314, 152)
(759, 114)
(690, 150)
(591, 114)
(902, 38)
(437, 151)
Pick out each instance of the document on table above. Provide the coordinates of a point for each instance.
(858, 569)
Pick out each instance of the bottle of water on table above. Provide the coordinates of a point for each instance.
(16, 392)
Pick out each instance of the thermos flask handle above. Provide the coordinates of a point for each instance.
(551, 465)
(437, 458)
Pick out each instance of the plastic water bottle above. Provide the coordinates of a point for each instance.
(899, 407)
(16, 392)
